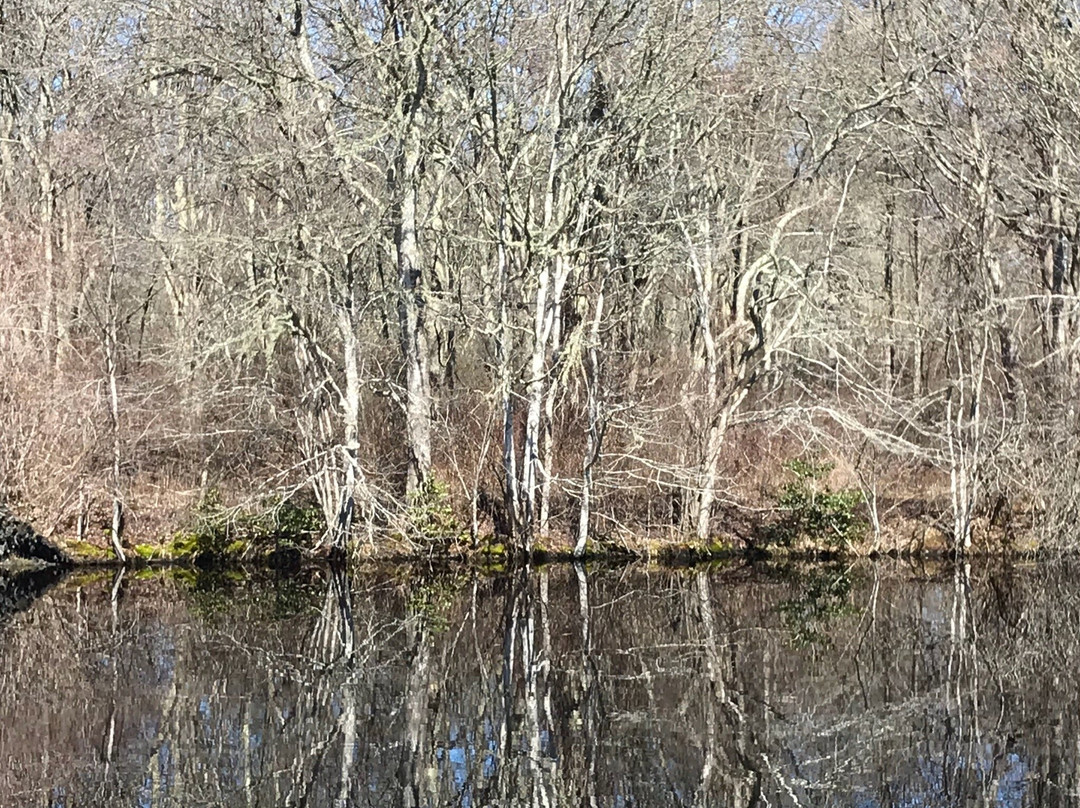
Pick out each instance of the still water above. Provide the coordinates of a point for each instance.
(887, 685)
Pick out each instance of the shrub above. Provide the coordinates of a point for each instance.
(814, 512)
(215, 531)
(430, 522)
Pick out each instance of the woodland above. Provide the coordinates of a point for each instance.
(409, 275)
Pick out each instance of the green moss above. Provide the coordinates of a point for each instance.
(147, 552)
(603, 546)
(183, 545)
(86, 550)
(695, 552)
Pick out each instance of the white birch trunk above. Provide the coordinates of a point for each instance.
(530, 466)
(547, 449)
(710, 452)
(594, 432)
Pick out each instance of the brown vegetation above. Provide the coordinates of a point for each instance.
(581, 269)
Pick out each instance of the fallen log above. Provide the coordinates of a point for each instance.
(17, 538)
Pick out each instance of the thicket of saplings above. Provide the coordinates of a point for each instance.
(399, 277)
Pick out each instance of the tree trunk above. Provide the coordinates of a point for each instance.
(710, 451)
(48, 260)
(530, 464)
(503, 351)
(918, 353)
(547, 447)
(353, 477)
(414, 343)
(117, 530)
(595, 431)
(891, 367)
(111, 372)
(1059, 280)
(7, 127)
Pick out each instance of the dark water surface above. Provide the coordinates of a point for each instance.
(861, 686)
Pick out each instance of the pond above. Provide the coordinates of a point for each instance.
(865, 685)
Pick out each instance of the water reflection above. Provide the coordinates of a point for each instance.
(866, 686)
(20, 588)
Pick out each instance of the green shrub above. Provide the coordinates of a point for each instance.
(208, 529)
(215, 531)
(430, 521)
(814, 512)
(290, 521)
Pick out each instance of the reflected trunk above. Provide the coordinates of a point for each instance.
(553, 687)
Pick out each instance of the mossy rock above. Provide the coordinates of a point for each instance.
(599, 546)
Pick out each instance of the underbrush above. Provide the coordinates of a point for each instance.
(215, 531)
(429, 524)
(814, 514)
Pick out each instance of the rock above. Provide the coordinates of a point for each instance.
(19, 539)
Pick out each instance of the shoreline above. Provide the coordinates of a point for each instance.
(250, 542)
(674, 556)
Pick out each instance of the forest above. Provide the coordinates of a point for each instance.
(569, 273)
